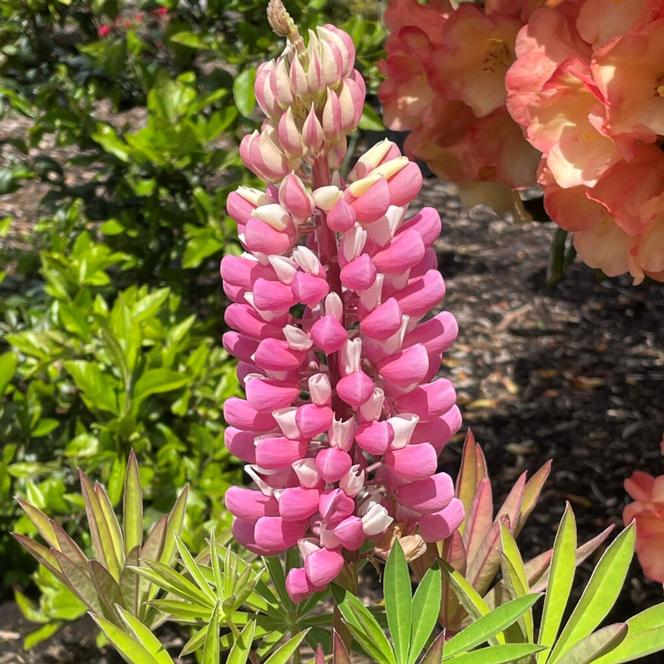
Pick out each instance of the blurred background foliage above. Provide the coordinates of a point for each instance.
(127, 116)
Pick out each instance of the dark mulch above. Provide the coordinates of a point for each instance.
(573, 372)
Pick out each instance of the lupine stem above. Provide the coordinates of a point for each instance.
(327, 253)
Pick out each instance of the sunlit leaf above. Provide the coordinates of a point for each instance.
(426, 607)
(242, 645)
(132, 505)
(126, 644)
(486, 627)
(560, 582)
(596, 644)
(211, 647)
(501, 654)
(600, 594)
(145, 637)
(284, 653)
(398, 597)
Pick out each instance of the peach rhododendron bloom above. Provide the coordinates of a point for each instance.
(444, 82)
(343, 418)
(587, 87)
(630, 75)
(488, 92)
(648, 512)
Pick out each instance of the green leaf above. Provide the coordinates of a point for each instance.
(501, 654)
(283, 655)
(486, 627)
(514, 575)
(189, 39)
(149, 305)
(155, 381)
(600, 594)
(132, 518)
(598, 643)
(242, 645)
(96, 387)
(426, 607)
(467, 595)
(145, 637)
(211, 647)
(243, 91)
(370, 120)
(560, 582)
(366, 630)
(7, 368)
(174, 525)
(398, 598)
(194, 570)
(40, 521)
(645, 636)
(130, 650)
(106, 137)
(39, 635)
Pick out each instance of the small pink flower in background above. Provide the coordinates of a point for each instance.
(103, 30)
(648, 512)
(343, 417)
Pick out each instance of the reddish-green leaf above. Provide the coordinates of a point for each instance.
(132, 518)
(41, 522)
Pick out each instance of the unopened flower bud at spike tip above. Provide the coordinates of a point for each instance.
(282, 23)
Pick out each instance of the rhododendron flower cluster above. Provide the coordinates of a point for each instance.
(588, 88)
(648, 512)
(445, 72)
(343, 417)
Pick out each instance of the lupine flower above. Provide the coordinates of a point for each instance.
(586, 88)
(648, 512)
(343, 417)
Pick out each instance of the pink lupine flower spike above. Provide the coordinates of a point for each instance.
(343, 419)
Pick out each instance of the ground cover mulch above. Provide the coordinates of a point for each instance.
(574, 373)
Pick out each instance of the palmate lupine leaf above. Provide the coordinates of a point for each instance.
(398, 600)
(502, 654)
(425, 609)
(365, 628)
(132, 506)
(514, 577)
(211, 646)
(239, 653)
(645, 636)
(475, 550)
(560, 582)
(600, 593)
(283, 654)
(596, 644)
(485, 628)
